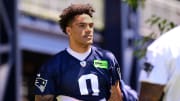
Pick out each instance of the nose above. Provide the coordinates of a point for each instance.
(89, 28)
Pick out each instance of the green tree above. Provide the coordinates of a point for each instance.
(163, 25)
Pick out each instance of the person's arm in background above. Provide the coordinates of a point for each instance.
(153, 77)
(152, 82)
(150, 91)
(44, 97)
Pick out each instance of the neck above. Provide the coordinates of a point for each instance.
(80, 48)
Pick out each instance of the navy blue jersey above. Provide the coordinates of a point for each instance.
(88, 80)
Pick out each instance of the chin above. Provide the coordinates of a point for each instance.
(88, 43)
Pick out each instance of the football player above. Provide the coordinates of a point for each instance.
(81, 72)
(160, 79)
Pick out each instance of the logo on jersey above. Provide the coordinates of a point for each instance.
(40, 83)
(83, 63)
(101, 64)
(148, 67)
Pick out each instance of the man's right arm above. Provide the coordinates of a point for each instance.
(44, 97)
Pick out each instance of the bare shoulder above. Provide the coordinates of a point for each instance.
(44, 97)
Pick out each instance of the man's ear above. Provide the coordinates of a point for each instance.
(68, 30)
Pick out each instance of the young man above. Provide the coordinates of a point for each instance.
(81, 72)
(161, 76)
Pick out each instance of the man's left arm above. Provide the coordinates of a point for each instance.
(117, 90)
(116, 94)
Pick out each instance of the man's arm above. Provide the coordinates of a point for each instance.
(150, 92)
(116, 94)
(44, 97)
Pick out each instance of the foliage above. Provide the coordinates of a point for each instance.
(134, 3)
(163, 25)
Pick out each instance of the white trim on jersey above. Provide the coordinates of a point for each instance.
(68, 98)
(79, 56)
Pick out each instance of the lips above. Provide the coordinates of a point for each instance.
(88, 36)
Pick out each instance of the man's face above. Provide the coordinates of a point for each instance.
(81, 29)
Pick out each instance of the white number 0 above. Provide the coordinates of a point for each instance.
(94, 84)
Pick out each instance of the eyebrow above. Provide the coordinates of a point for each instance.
(85, 23)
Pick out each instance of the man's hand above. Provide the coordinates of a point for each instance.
(116, 94)
(44, 97)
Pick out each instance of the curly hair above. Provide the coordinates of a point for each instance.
(70, 12)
